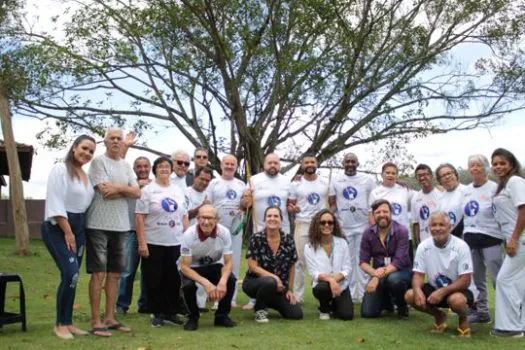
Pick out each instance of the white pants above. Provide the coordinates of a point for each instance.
(237, 251)
(358, 279)
(301, 239)
(510, 292)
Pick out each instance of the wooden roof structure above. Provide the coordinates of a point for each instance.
(25, 154)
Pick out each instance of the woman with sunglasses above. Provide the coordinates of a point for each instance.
(328, 261)
(509, 211)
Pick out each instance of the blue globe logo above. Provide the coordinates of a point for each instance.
(274, 201)
(231, 194)
(424, 212)
(397, 208)
(169, 205)
(313, 198)
(452, 217)
(350, 193)
(472, 208)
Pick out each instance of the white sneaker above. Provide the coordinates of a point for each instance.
(261, 316)
(324, 316)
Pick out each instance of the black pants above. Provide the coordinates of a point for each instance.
(390, 287)
(342, 306)
(213, 274)
(264, 290)
(162, 278)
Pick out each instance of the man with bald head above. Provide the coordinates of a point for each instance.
(447, 263)
(225, 193)
(349, 197)
(206, 253)
(108, 223)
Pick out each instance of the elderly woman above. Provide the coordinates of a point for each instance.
(271, 269)
(161, 218)
(482, 233)
(451, 200)
(509, 211)
(69, 193)
(328, 262)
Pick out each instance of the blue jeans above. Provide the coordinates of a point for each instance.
(125, 293)
(67, 262)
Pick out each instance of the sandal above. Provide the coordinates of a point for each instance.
(100, 332)
(119, 327)
(464, 333)
(439, 328)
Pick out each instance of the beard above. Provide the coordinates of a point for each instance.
(272, 171)
(310, 170)
(383, 222)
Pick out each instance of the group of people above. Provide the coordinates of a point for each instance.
(352, 237)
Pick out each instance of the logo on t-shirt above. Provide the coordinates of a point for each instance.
(442, 281)
(397, 208)
(452, 217)
(350, 193)
(472, 208)
(274, 201)
(169, 205)
(424, 212)
(231, 194)
(313, 198)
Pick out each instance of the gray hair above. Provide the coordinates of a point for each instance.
(180, 151)
(479, 158)
(109, 130)
(439, 213)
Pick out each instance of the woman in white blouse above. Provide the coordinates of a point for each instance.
(328, 261)
(509, 211)
(69, 193)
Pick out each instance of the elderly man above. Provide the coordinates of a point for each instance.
(446, 261)
(384, 257)
(349, 195)
(108, 223)
(308, 195)
(181, 165)
(226, 195)
(207, 260)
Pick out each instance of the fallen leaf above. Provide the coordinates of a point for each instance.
(76, 307)
(360, 339)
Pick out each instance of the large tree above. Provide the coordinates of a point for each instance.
(254, 76)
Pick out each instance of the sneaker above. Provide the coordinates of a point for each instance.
(173, 320)
(402, 313)
(506, 334)
(324, 316)
(224, 321)
(479, 318)
(191, 325)
(157, 321)
(248, 306)
(261, 316)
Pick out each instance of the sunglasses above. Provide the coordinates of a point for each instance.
(201, 157)
(325, 222)
(181, 163)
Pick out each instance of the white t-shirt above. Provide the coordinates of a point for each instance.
(110, 214)
(165, 210)
(451, 203)
(399, 198)
(65, 194)
(225, 196)
(317, 261)
(206, 252)
(444, 265)
(424, 204)
(352, 194)
(179, 181)
(193, 199)
(311, 196)
(506, 205)
(478, 211)
(270, 191)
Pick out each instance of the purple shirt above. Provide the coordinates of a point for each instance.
(396, 244)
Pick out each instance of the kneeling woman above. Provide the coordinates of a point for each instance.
(271, 269)
(328, 261)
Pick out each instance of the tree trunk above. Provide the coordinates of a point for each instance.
(15, 179)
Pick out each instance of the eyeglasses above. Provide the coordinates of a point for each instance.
(326, 222)
(181, 163)
(450, 173)
(201, 157)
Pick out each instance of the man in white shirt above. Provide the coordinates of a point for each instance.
(108, 223)
(424, 203)
(226, 195)
(196, 194)
(308, 195)
(181, 164)
(349, 195)
(207, 260)
(446, 261)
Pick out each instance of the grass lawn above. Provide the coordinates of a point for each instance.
(40, 277)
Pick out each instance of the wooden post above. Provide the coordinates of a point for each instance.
(15, 178)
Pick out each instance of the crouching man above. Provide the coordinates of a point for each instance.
(206, 252)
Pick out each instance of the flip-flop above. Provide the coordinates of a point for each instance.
(100, 332)
(464, 333)
(439, 328)
(119, 326)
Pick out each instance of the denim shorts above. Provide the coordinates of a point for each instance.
(105, 251)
